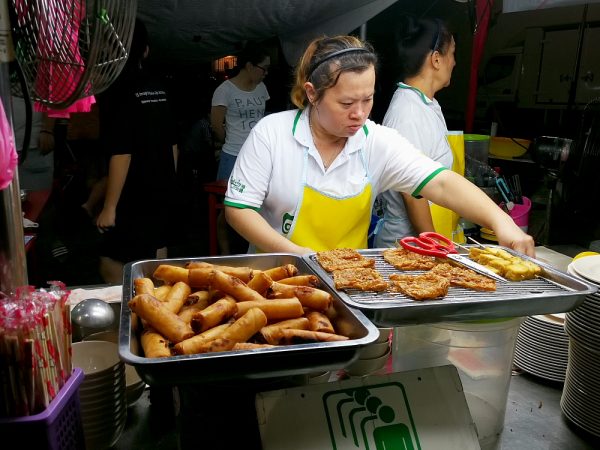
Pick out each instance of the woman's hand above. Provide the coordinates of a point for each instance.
(45, 142)
(106, 219)
(454, 192)
(512, 236)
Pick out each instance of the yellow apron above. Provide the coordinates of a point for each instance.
(324, 222)
(445, 221)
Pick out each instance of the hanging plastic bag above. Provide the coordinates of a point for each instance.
(8, 154)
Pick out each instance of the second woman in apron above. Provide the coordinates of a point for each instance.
(426, 53)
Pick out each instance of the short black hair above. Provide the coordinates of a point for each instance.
(252, 53)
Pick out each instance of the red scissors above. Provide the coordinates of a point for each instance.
(431, 243)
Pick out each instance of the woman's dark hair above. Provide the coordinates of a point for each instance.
(252, 53)
(325, 59)
(418, 38)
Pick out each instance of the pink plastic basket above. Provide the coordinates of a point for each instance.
(58, 427)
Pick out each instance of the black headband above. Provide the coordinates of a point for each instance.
(333, 55)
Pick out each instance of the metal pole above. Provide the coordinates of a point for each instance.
(363, 32)
(13, 263)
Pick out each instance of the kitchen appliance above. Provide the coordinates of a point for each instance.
(551, 153)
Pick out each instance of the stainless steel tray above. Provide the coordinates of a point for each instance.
(554, 292)
(249, 364)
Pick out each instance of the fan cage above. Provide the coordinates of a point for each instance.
(71, 49)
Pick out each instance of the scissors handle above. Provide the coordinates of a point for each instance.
(422, 247)
(440, 242)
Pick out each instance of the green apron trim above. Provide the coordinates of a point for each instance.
(417, 192)
(296, 119)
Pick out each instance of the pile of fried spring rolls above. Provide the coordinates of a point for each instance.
(204, 308)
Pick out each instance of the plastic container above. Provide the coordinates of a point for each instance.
(58, 427)
(505, 147)
(481, 351)
(477, 146)
(520, 213)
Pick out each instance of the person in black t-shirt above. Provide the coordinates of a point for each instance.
(141, 193)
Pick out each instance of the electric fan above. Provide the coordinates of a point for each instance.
(70, 49)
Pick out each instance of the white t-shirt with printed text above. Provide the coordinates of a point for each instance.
(243, 110)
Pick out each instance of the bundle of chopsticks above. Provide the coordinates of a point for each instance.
(35, 349)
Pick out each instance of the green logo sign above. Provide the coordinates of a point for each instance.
(237, 185)
(287, 223)
(362, 418)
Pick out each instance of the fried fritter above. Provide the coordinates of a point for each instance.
(464, 277)
(343, 258)
(403, 259)
(420, 287)
(362, 278)
(510, 267)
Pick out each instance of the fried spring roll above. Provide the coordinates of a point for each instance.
(143, 286)
(187, 312)
(234, 287)
(157, 316)
(312, 298)
(214, 314)
(196, 343)
(216, 345)
(171, 274)
(177, 296)
(260, 283)
(279, 273)
(276, 309)
(154, 344)
(301, 280)
(318, 321)
(199, 297)
(246, 326)
(160, 293)
(201, 278)
(243, 273)
(291, 336)
(250, 346)
(272, 333)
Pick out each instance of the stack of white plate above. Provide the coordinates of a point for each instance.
(543, 347)
(580, 401)
(102, 393)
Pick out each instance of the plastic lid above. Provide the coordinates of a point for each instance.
(476, 137)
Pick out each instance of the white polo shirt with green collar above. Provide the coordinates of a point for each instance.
(267, 175)
(420, 120)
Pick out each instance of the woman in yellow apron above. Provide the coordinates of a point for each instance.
(426, 52)
(305, 180)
